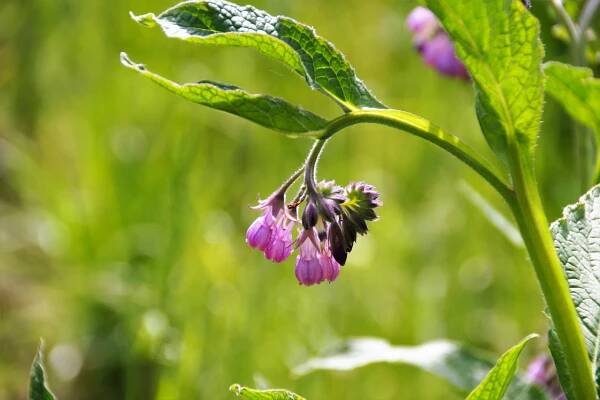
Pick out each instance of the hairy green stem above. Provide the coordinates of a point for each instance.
(421, 127)
(290, 181)
(310, 173)
(529, 212)
(525, 203)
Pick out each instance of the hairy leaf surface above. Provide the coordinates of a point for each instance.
(577, 241)
(576, 90)
(270, 394)
(461, 366)
(268, 111)
(296, 45)
(498, 40)
(38, 390)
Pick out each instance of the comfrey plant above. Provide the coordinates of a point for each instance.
(494, 44)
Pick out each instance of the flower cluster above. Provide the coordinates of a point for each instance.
(433, 43)
(331, 220)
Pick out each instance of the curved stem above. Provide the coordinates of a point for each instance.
(421, 127)
(310, 172)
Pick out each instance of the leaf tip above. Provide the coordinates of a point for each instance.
(127, 62)
(147, 20)
(236, 388)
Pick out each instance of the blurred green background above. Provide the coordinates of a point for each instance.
(123, 211)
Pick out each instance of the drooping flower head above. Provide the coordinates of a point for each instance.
(330, 222)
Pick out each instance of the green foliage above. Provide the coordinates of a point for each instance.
(560, 362)
(497, 381)
(577, 241)
(38, 389)
(576, 90)
(268, 111)
(459, 365)
(296, 45)
(498, 40)
(269, 394)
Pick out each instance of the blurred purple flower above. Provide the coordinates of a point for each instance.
(542, 372)
(433, 43)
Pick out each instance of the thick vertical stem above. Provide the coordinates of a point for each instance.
(528, 210)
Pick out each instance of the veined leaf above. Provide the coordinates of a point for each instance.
(269, 394)
(498, 40)
(577, 241)
(497, 381)
(268, 111)
(576, 90)
(38, 390)
(217, 22)
(461, 366)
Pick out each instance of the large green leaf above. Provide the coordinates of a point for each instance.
(296, 45)
(576, 90)
(498, 40)
(497, 381)
(272, 112)
(269, 394)
(38, 390)
(577, 241)
(461, 366)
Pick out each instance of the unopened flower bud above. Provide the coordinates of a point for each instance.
(337, 244)
(310, 216)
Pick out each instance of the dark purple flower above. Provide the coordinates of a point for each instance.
(433, 43)
(310, 216)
